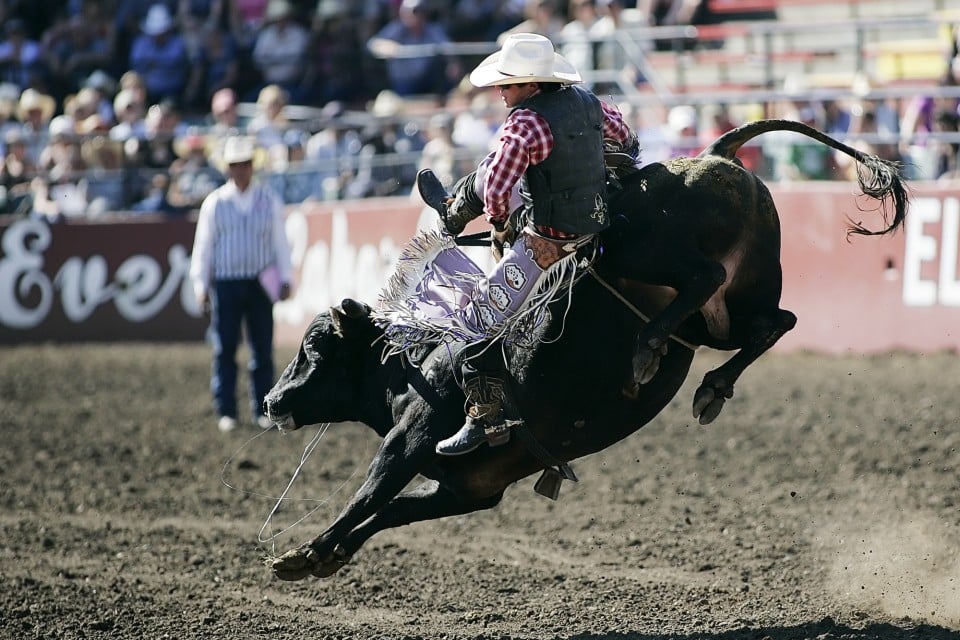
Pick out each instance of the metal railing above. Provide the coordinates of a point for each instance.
(762, 39)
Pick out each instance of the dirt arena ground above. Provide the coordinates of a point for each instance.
(824, 503)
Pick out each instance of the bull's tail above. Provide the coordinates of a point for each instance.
(880, 179)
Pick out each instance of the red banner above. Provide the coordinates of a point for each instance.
(869, 294)
(97, 281)
(128, 280)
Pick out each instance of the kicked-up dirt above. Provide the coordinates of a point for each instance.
(823, 503)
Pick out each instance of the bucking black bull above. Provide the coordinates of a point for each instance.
(691, 234)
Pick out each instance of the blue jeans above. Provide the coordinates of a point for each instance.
(236, 304)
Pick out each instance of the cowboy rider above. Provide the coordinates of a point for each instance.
(549, 159)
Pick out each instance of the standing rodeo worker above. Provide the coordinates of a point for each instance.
(240, 266)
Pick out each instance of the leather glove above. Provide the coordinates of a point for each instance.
(614, 151)
(621, 158)
(454, 225)
(501, 236)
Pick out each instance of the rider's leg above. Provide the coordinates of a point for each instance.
(483, 380)
(466, 201)
(456, 209)
(505, 292)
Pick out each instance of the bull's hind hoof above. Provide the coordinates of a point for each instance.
(305, 561)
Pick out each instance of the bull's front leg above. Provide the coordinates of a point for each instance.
(428, 501)
(403, 453)
(695, 282)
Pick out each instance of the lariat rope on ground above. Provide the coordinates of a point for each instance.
(307, 452)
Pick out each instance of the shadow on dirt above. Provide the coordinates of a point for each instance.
(825, 629)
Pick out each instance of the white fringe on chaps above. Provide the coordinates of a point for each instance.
(437, 294)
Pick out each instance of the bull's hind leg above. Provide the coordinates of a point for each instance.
(717, 385)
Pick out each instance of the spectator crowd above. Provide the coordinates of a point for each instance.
(110, 105)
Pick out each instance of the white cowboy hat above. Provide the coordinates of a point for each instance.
(158, 20)
(681, 117)
(277, 9)
(524, 57)
(124, 99)
(387, 104)
(32, 99)
(331, 8)
(61, 127)
(239, 149)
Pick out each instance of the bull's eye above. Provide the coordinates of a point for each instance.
(312, 354)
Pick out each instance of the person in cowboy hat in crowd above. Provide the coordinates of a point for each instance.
(161, 56)
(34, 111)
(549, 159)
(279, 53)
(192, 176)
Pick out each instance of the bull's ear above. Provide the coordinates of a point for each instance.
(354, 309)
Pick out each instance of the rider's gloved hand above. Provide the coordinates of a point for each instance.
(502, 235)
(614, 150)
(621, 157)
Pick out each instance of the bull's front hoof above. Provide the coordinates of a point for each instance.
(305, 561)
(708, 402)
(646, 363)
(295, 564)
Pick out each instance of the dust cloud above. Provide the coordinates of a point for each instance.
(900, 564)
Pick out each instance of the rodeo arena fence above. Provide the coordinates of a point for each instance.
(120, 276)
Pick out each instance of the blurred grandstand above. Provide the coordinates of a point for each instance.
(862, 70)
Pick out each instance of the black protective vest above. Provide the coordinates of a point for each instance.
(567, 191)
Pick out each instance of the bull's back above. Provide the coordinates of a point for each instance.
(721, 195)
(711, 207)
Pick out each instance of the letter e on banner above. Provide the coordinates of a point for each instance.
(920, 248)
(949, 239)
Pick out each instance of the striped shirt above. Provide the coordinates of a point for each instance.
(238, 235)
(525, 139)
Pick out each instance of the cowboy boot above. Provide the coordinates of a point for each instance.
(455, 210)
(485, 422)
(434, 193)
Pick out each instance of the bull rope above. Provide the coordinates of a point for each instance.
(307, 452)
(629, 305)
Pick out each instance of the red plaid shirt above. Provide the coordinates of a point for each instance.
(525, 139)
